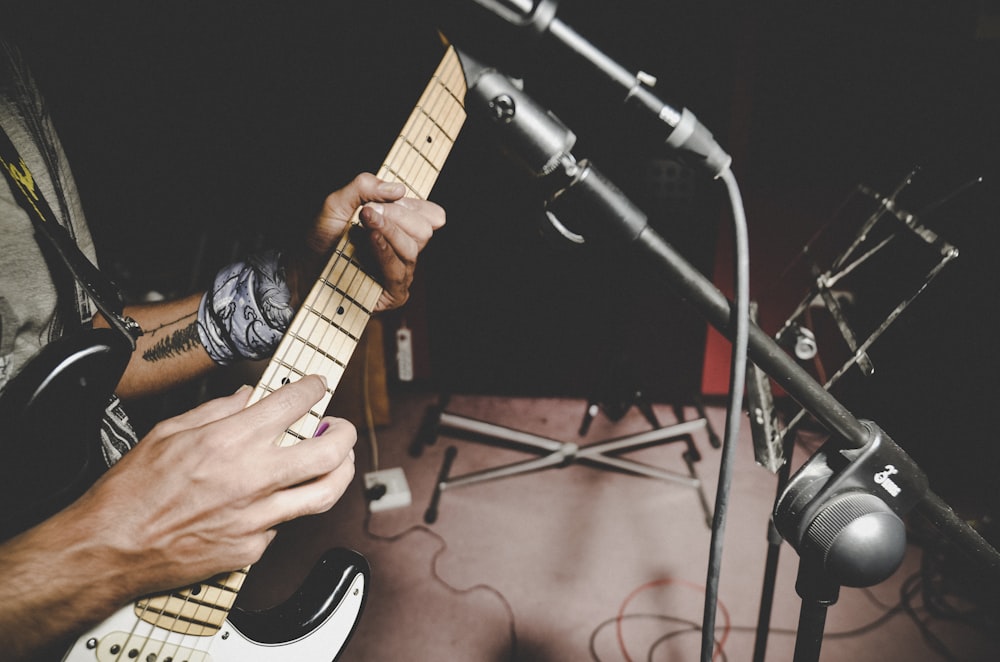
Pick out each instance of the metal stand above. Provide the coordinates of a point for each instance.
(595, 405)
(773, 448)
(556, 453)
(818, 593)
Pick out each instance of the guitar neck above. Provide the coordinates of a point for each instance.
(322, 337)
(326, 330)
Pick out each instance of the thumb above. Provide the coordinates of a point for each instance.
(341, 205)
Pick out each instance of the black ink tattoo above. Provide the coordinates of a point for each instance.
(177, 343)
(192, 315)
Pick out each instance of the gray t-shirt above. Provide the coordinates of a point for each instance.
(31, 311)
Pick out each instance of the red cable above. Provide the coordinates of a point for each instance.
(663, 582)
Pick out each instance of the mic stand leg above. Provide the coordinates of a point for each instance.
(774, 541)
(818, 592)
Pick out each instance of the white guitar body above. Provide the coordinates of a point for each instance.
(314, 625)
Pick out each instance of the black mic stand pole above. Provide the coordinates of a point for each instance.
(774, 541)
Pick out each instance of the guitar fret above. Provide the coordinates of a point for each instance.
(296, 437)
(325, 348)
(332, 337)
(362, 292)
(304, 428)
(278, 375)
(453, 119)
(291, 365)
(356, 286)
(338, 269)
(412, 187)
(403, 144)
(433, 137)
(428, 111)
(214, 599)
(431, 140)
(449, 121)
(444, 121)
(417, 150)
(182, 616)
(145, 648)
(348, 325)
(449, 71)
(350, 321)
(345, 258)
(338, 345)
(228, 581)
(188, 624)
(319, 364)
(346, 297)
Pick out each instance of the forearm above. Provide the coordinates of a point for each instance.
(169, 352)
(58, 580)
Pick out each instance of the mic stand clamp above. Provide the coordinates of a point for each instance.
(842, 512)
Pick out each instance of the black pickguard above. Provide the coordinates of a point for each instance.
(319, 596)
(50, 415)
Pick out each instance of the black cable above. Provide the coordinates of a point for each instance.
(910, 589)
(434, 573)
(938, 587)
(868, 593)
(740, 314)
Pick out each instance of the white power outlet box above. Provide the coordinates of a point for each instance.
(397, 490)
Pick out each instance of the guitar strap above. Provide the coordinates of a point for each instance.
(105, 294)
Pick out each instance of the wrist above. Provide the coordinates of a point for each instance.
(246, 311)
(60, 578)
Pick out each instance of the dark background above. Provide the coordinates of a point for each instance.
(201, 130)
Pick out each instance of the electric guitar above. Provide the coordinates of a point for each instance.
(44, 468)
(199, 623)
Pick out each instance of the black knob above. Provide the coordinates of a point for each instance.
(857, 539)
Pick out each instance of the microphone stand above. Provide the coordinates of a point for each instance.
(860, 482)
(852, 453)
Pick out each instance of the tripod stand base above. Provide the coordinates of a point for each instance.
(560, 454)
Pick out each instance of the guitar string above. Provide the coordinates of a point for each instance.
(318, 309)
(157, 621)
(183, 632)
(426, 114)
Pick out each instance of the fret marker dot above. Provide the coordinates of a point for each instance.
(286, 380)
(340, 310)
(429, 139)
